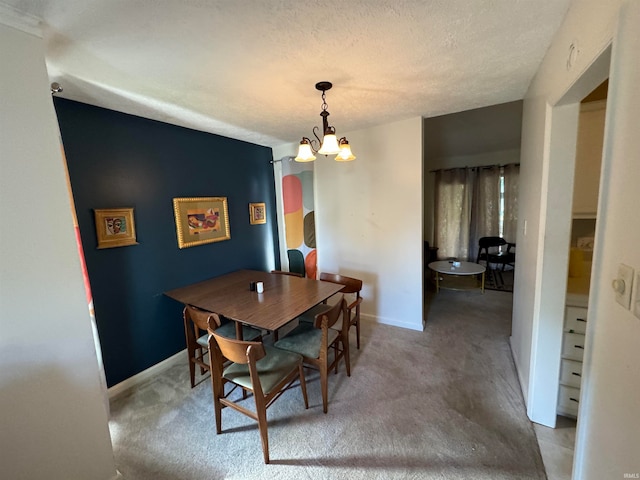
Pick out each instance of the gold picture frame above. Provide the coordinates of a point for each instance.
(115, 227)
(257, 213)
(201, 220)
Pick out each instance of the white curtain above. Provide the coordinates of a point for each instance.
(511, 179)
(468, 207)
(485, 210)
(452, 216)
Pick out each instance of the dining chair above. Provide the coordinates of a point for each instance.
(490, 250)
(262, 370)
(196, 324)
(352, 286)
(296, 262)
(314, 341)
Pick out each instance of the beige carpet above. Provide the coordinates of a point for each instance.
(438, 404)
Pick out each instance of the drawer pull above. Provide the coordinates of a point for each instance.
(576, 374)
(579, 346)
(573, 400)
(581, 320)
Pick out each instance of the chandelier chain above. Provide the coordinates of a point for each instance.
(324, 105)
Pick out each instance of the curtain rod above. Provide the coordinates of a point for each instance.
(467, 167)
(281, 159)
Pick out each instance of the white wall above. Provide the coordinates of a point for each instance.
(611, 399)
(54, 420)
(589, 157)
(609, 417)
(369, 219)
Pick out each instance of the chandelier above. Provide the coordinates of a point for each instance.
(330, 145)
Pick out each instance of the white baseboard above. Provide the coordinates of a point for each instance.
(392, 322)
(143, 376)
(523, 385)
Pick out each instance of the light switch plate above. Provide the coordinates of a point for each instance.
(625, 280)
(636, 298)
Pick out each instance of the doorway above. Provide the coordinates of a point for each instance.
(557, 445)
(565, 229)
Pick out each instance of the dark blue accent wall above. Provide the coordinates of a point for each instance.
(117, 160)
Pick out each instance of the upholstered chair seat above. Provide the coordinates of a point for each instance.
(306, 340)
(276, 365)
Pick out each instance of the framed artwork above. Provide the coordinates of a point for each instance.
(257, 213)
(115, 227)
(201, 220)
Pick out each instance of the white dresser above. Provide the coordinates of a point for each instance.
(575, 323)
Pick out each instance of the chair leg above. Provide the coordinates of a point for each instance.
(324, 387)
(192, 369)
(261, 412)
(217, 386)
(358, 333)
(303, 385)
(217, 407)
(345, 353)
(494, 276)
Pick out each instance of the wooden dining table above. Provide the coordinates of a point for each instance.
(284, 298)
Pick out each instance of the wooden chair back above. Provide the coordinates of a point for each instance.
(199, 318)
(330, 317)
(351, 286)
(196, 324)
(237, 350)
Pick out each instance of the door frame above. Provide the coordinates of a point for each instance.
(554, 238)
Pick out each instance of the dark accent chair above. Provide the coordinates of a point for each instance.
(490, 251)
(296, 262)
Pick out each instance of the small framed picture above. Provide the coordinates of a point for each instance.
(201, 220)
(257, 213)
(115, 227)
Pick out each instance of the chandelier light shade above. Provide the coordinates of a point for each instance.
(329, 145)
(305, 154)
(345, 154)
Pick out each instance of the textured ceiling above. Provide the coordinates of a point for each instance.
(246, 69)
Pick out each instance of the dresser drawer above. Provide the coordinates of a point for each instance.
(571, 373)
(575, 320)
(573, 346)
(568, 400)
